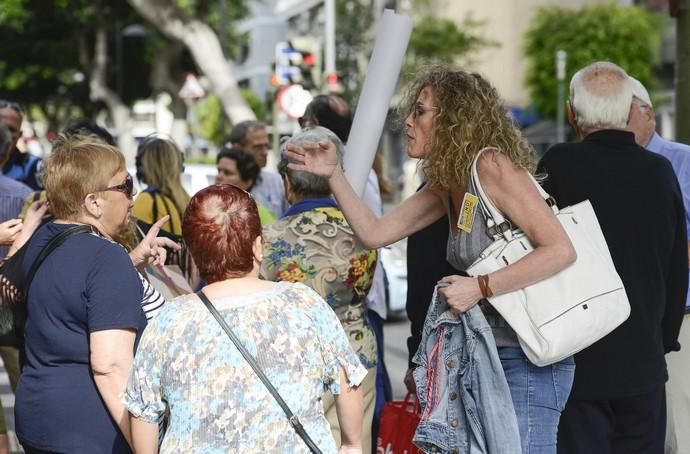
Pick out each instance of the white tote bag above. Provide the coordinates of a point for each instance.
(569, 311)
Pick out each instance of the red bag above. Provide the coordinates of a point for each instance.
(399, 420)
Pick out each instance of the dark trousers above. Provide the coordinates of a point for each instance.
(384, 391)
(628, 425)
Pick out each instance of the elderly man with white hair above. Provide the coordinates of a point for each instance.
(618, 403)
(642, 123)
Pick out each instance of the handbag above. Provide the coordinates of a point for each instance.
(294, 420)
(399, 421)
(569, 311)
(168, 280)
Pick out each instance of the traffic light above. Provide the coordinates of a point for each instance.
(293, 66)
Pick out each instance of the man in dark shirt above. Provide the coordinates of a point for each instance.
(617, 404)
(23, 167)
(426, 265)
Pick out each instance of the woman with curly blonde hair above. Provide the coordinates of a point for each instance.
(453, 116)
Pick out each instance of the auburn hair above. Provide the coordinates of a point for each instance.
(219, 227)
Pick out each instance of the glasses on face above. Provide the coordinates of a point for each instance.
(12, 105)
(420, 109)
(127, 188)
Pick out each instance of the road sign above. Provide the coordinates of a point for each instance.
(191, 89)
(293, 100)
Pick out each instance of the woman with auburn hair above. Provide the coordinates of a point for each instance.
(453, 116)
(187, 364)
(84, 306)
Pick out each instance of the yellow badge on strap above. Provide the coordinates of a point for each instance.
(467, 212)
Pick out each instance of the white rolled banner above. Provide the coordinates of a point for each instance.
(374, 100)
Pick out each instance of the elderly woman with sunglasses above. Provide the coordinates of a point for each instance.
(84, 312)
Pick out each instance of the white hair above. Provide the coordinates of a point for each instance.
(600, 95)
(640, 92)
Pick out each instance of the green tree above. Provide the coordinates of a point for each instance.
(440, 40)
(627, 36)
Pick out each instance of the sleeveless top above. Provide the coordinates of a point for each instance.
(462, 250)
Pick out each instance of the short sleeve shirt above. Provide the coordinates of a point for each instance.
(87, 284)
(319, 249)
(217, 404)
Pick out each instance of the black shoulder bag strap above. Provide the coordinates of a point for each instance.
(294, 421)
(20, 312)
(53, 244)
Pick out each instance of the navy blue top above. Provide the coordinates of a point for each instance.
(87, 284)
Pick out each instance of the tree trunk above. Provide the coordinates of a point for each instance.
(99, 91)
(162, 79)
(683, 72)
(205, 48)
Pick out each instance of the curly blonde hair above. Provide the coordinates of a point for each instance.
(470, 116)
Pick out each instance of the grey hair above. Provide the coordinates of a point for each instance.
(238, 135)
(600, 95)
(307, 184)
(5, 142)
(641, 93)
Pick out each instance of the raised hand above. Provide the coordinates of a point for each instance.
(317, 158)
(152, 247)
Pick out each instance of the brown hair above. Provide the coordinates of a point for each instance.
(219, 228)
(78, 166)
(470, 116)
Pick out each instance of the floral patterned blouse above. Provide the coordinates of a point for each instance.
(317, 247)
(217, 404)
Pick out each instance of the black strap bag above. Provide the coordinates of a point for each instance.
(294, 421)
(15, 282)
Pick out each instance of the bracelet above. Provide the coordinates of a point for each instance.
(484, 286)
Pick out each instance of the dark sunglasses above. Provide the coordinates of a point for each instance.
(127, 188)
(12, 105)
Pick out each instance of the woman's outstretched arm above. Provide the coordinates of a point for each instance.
(413, 214)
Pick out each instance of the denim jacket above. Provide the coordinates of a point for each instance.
(465, 400)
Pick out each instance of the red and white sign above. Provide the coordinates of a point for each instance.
(293, 100)
(191, 89)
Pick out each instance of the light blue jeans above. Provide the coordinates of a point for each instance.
(539, 395)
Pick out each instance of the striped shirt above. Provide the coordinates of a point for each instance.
(151, 301)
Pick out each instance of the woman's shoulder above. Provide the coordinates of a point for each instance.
(495, 165)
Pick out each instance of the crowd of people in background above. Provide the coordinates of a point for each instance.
(102, 362)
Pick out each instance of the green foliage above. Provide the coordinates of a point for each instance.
(209, 114)
(254, 102)
(627, 36)
(436, 39)
(13, 14)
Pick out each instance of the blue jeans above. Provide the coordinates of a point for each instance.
(539, 395)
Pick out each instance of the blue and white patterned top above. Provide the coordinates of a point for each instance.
(216, 402)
